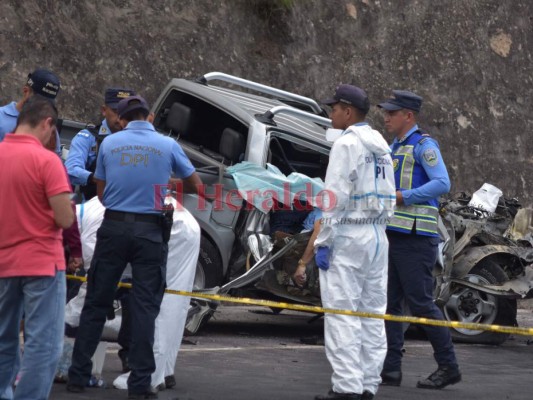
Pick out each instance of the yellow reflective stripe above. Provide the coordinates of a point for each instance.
(406, 150)
(402, 217)
(425, 221)
(406, 174)
(409, 225)
(426, 230)
(401, 222)
(416, 215)
(423, 226)
(426, 211)
(401, 226)
(420, 208)
(424, 215)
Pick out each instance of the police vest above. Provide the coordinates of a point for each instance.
(409, 174)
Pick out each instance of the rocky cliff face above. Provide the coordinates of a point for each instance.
(469, 59)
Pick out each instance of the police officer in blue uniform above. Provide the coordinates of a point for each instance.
(132, 167)
(421, 177)
(81, 164)
(81, 159)
(41, 82)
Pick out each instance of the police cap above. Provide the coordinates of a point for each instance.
(402, 99)
(131, 103)
(114, 95)
(44, 82)
(351, 95)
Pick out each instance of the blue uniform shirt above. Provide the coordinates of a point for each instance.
(8, 123)
(8, 119)
(309, 222)
(82, 154)
(135, 163)
(427, 154)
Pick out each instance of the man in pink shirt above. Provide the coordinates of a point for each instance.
(34, 207)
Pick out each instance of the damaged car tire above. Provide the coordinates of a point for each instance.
(470, 305)
(209, 266)
(208, 275)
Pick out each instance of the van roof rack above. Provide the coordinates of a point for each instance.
(268, 116)
(260, 88)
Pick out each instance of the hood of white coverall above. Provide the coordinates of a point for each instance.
(349, 176)
(371, 138)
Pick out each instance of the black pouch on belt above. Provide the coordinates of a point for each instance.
(167, 221)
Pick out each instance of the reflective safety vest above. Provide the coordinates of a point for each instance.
(409, 174)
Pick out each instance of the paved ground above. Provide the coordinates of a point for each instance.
(245, 355)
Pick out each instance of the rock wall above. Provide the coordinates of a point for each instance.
(469, 59)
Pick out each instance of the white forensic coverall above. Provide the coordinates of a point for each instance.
(360, 177)
(183, 250)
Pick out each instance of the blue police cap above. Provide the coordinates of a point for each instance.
(402, 99)
(131, 103)
(44, 82)
(352, 95)
(114, 95)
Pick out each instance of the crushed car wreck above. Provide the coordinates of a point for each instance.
(484, 265)
(221, 120)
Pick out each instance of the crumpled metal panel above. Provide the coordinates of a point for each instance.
(480, 235)
(520, 287)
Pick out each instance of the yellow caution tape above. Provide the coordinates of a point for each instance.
(320, 310)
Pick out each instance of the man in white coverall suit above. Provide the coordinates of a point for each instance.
(183, 249)
(352, 247)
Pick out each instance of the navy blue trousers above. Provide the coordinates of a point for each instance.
(411, 261)
(119, 243)
(124, 334)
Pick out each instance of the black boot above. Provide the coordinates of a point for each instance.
(123, 355)
(149, 395)
(170, 381)
(442, 377)
(391, 378)
(367, 395)
(338, 396)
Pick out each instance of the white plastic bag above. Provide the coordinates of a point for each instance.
(486, 198)
(99, 358)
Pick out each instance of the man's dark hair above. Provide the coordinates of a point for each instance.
(361, 114)
(406, 110)
(35, 110)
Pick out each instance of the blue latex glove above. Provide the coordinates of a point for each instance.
(322, 258)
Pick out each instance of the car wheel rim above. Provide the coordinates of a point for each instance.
(471, 306)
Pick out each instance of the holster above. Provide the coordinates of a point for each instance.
(167, 219)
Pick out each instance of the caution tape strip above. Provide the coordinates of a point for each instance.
(321, 310)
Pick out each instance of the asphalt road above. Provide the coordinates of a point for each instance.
(245, 355)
